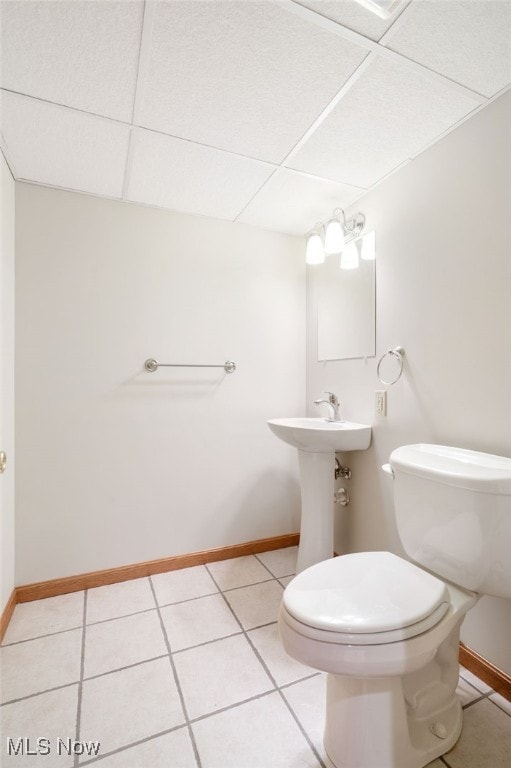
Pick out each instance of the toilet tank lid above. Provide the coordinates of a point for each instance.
(460, 467)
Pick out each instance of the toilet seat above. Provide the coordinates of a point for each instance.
(367, 598)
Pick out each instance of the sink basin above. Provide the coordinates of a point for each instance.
(321, 436)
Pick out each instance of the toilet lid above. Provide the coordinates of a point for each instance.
(365, 593)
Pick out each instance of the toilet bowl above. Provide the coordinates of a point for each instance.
(386, 630)
(387, 633)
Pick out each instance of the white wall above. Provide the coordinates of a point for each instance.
(7, 217)
(443, 234)
(117, 465)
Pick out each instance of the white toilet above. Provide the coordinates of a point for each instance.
(386, 630)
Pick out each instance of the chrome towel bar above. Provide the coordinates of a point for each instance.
(151, 365)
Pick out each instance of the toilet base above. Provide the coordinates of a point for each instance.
(370, 725)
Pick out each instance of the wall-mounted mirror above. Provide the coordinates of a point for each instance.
(347, 306)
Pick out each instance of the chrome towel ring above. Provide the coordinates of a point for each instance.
(398, 353)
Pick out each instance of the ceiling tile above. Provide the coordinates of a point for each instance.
(62, 147)
(83, 54)
(249, 77)
(292, 202)
(184, 176)
(352, 15)
(469, 42)
(390, 114)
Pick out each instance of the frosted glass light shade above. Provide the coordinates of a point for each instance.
(368, 251)
(314, 252)
(349, 257)
(334, 237)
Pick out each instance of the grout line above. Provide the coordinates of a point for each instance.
(206, 642)
(187, 599)
(474, 701)
(228, 707)
(40, 693)
(41, 637)
(126, 666)
(176, 680)
(300, 726)
(134, 744)
(270, 676)
(80, 684)
(124, 616)
(244, 586)
(273, 575)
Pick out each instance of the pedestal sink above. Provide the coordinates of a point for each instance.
(317, 440)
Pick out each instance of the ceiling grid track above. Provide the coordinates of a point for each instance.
(381, 50)
(255, 115)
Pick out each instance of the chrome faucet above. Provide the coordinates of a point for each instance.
(333, 406)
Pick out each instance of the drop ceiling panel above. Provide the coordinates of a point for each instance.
(292, 202)
(248, 77)
(469, 42)
(62, 147)
(351, 15)
(184, 176)
(389, 115)
(83, 54)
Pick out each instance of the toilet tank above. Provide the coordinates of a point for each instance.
(453, 513)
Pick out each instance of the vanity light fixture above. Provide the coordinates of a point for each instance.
(314, 251)
(334, 232)
(338, 232)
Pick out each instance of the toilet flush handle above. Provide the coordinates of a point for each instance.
(387, 468)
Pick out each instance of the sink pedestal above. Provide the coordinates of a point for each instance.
(317, 440)
(317, 476)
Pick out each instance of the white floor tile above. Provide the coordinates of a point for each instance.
(43, 617)
(124, 707)
(198, 621)
(308, 700)
(281, 562)
(485, 738)
(114, 600)
(238, 572)
(174, 750)
(282, 667)
(217, 669)
(49, 715)
(220, 674)
(120, 642)
(174, 586)
(258, 734)
(256, 605)
(38, 665)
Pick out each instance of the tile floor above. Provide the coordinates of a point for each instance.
(185, 670)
